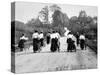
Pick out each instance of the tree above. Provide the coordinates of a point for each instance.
(74, 19)
(57, 18)
(43, 15)
(54, 8)
(89, 19)
(33, 23)
(65, 20)
(82, 17)
(82, 13)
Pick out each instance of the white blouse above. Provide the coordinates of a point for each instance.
(35, 35)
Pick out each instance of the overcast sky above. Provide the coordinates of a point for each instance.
(25, 11)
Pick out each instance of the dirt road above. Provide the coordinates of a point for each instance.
(27, 61)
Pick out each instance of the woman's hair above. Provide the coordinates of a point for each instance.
(35, 31)
(70, 33)
(23, 34)
(53, 31)
(41, 32)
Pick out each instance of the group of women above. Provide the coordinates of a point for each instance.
(53, 38)
(75, 41)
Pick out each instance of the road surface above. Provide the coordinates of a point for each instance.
(27, 61)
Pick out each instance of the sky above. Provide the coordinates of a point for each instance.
(25, 11)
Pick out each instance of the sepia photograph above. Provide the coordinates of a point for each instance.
(48, 37)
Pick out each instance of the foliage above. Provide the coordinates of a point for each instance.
(82, 24)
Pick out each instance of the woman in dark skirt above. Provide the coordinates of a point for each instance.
(73, 46)
(77, 37)
(82, 41)
(41, 42)
(71, 43)
(35, 45)
(48, 37)
(53, 42)
(21, 44)
(82, 44)
(57, 38)
(22, 41)
(56, 43)
(41, 39)
(53, 45)
(35, 41)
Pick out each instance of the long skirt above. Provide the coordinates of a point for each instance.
(71, 45)
(77, 41)
(82, 44)
(57, 44)
(69, 48)
(48, 39)
(21, 44)
(41, 42)
(53, 45)
(35, 44)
